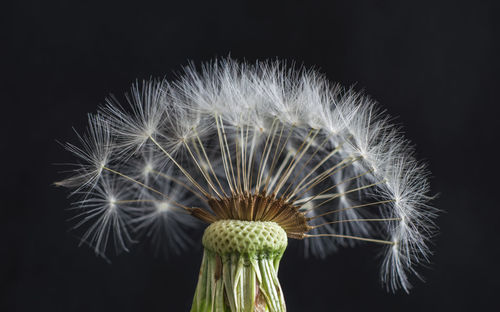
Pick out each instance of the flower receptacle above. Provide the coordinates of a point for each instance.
(239, 267)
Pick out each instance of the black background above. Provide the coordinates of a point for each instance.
(433, 64)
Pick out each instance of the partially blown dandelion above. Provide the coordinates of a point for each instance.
(261, 153)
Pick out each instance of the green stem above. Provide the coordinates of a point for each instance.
(236, 284)
(234, 280)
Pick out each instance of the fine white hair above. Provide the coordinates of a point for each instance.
(232, 128)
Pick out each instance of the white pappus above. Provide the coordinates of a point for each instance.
(239, 132)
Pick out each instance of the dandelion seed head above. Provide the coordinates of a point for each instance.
(256, 142)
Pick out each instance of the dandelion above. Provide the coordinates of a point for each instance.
(260, 153)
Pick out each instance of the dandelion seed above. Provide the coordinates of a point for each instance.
(262, 154)
(95, 154)
(106, 216)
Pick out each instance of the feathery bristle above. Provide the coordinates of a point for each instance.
(259, 142)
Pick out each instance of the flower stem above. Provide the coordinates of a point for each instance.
(239, 270)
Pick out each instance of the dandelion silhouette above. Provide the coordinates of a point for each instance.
(262, 153)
